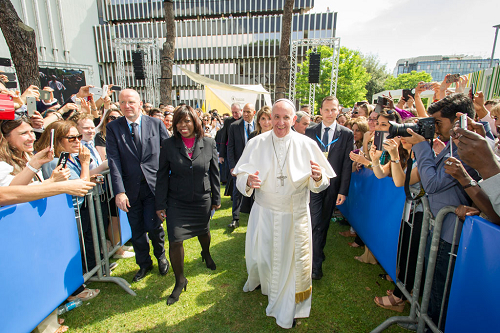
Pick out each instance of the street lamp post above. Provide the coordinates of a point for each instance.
(494, 44)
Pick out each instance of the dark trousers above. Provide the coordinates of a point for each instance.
(237, 199)
(321, 206)
(144, 222)
(409, 252)
(439, 279)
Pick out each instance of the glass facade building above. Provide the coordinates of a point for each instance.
(235, 42)
(439, 66)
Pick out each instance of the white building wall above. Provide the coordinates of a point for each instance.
(63, 36)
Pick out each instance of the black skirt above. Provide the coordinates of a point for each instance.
(187, 219)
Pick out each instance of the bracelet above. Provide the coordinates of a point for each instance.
(32, 168)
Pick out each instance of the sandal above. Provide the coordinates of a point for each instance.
(62, 329)
(347, 233)
(390, 303)
(85, 295)
(385, 277)
(353, 244)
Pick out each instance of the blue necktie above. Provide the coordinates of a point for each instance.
(325, 139)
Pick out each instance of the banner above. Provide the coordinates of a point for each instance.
(40, 260)
(374, 208)
(475, 289)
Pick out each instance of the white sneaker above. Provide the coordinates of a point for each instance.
(127, 248)
(126, 254)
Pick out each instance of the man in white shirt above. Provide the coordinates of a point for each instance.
(336, 142)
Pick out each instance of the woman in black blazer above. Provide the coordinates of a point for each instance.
(187, 189)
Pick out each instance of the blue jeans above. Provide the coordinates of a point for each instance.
(439, 279)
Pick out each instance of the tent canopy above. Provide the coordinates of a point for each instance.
(220, 96)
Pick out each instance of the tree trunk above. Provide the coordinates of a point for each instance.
(22, 45)
(284, 58)
(167, 54)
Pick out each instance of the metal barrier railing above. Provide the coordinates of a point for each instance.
(93, 202)
(418, 317)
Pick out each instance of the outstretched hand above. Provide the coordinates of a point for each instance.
(253, 180)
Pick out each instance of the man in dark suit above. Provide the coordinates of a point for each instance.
(224, 137)
(133, 149)
(336, 142)
(239, 133)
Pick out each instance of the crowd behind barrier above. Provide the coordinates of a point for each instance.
(469, 309)
(39, 277)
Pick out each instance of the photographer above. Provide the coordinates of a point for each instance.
(442, 189)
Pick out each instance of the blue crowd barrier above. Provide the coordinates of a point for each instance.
(40, 259)
(472, 308)
(374, 208)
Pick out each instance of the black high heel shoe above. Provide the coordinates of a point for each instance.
(210, 263)
(174, 296)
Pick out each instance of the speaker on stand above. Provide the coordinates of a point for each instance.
(137, 63)
(314, 64)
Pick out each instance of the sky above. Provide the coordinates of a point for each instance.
(396, 29)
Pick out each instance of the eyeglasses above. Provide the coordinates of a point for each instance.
(112, 117)
(74, 138)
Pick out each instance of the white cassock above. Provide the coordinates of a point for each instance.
(278, 246)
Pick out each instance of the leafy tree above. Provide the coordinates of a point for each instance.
(351, 81)
(407, 80)
(379, 74)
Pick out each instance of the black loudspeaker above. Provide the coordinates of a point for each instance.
(137, 63)
(314, 63)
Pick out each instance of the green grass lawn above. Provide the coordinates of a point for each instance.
(215, 302)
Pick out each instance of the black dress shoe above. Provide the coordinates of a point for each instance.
(316, 275)
(234, 224)
(142, 273)
(163, 266)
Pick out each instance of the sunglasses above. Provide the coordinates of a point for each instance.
(112, 117)
(74, 138)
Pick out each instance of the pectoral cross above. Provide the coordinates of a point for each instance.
(282, 178)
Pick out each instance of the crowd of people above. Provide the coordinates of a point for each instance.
(289, 169)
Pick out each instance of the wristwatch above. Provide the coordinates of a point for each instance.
(472, 183)
(395, 161)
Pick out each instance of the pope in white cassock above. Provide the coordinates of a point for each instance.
(281, 166)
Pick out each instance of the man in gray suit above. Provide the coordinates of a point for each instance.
(133, 149)
(239, 133)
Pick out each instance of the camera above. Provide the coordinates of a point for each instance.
(425, 127)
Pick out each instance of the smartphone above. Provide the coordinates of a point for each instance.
(10, 85)
(63, 159)
(52, 139)
(427, 86)
(451, 147)
(44, 94)
(379, 138)
(116, 88)
(382, 100)
(407, 93)
(472, 91)
(95, 91)
(31, 104)
(453, 78)
(79, 105)
(463, 121)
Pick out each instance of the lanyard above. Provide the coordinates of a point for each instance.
(326, 146)
(75, 165)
